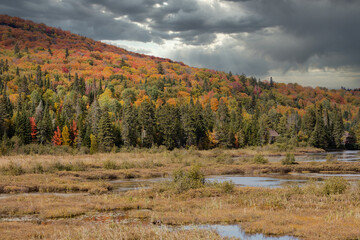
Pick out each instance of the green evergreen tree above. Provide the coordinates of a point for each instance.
(264, 127)
(94, 116)
(222, 126)
(106, 135)
(129, 125)
(318, 136)
(188, 124)
(168, 119)
(23, 127)
(66, 52)
(209, 117)
(45, 128)
(200, 126)
(147, 123)
(338, 130)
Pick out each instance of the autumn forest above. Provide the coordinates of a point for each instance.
(74, 94)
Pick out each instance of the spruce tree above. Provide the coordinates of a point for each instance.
(200, 126)
(129, 125)
(147, 123)
(105, 136)
(338, 129)
(94, 117)
(318, 136)
(168, 120)
(188, 125)
(45, 127)
(209, 117)
(222, 127)
(23, 127)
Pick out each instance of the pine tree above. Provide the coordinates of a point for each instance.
(168, 120)
(202, 140)
(147, 123)
(310, 120)
(222, 126)
(45, 128)
(318, 136)
(94, 117)
(105, 136)
(129, 124)
(188, 125)
(264, 127)
(338, 130)
(86, 141)
(209, 116)
(66, 52)
(22, 127)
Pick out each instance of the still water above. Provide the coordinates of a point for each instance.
(235, 231)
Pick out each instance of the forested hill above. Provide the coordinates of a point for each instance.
(60, 88)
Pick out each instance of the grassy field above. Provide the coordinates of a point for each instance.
(328, 209)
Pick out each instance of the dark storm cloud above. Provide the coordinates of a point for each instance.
(273, 35)
(80, 17)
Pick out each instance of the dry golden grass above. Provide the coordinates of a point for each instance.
(69, 230)
(49, 183)
(305, 212)
(308, 212)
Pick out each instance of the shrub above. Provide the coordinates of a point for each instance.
(335, 185)
(260, 159)
(226, 187)
(183, 181)
(289, 159)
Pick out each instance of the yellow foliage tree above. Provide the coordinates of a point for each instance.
(66, 136)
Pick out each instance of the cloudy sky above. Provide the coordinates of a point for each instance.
(314, 43)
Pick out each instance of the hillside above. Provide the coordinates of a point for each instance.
(60, 88)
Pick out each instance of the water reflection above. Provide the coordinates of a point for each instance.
(235, 231)
(269, 182)
(344, 156)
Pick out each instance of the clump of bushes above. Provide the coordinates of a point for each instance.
(335, 185)
(12, 169)
(260, 159)
(192, 179)
(289, 159)
(226, 187)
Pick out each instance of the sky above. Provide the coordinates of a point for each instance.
(313, 43)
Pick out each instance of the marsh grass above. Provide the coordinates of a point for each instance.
(302, 211)
(260, 159)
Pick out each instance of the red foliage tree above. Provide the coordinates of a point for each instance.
(74, 132)
(33, 129)
(56, 140)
